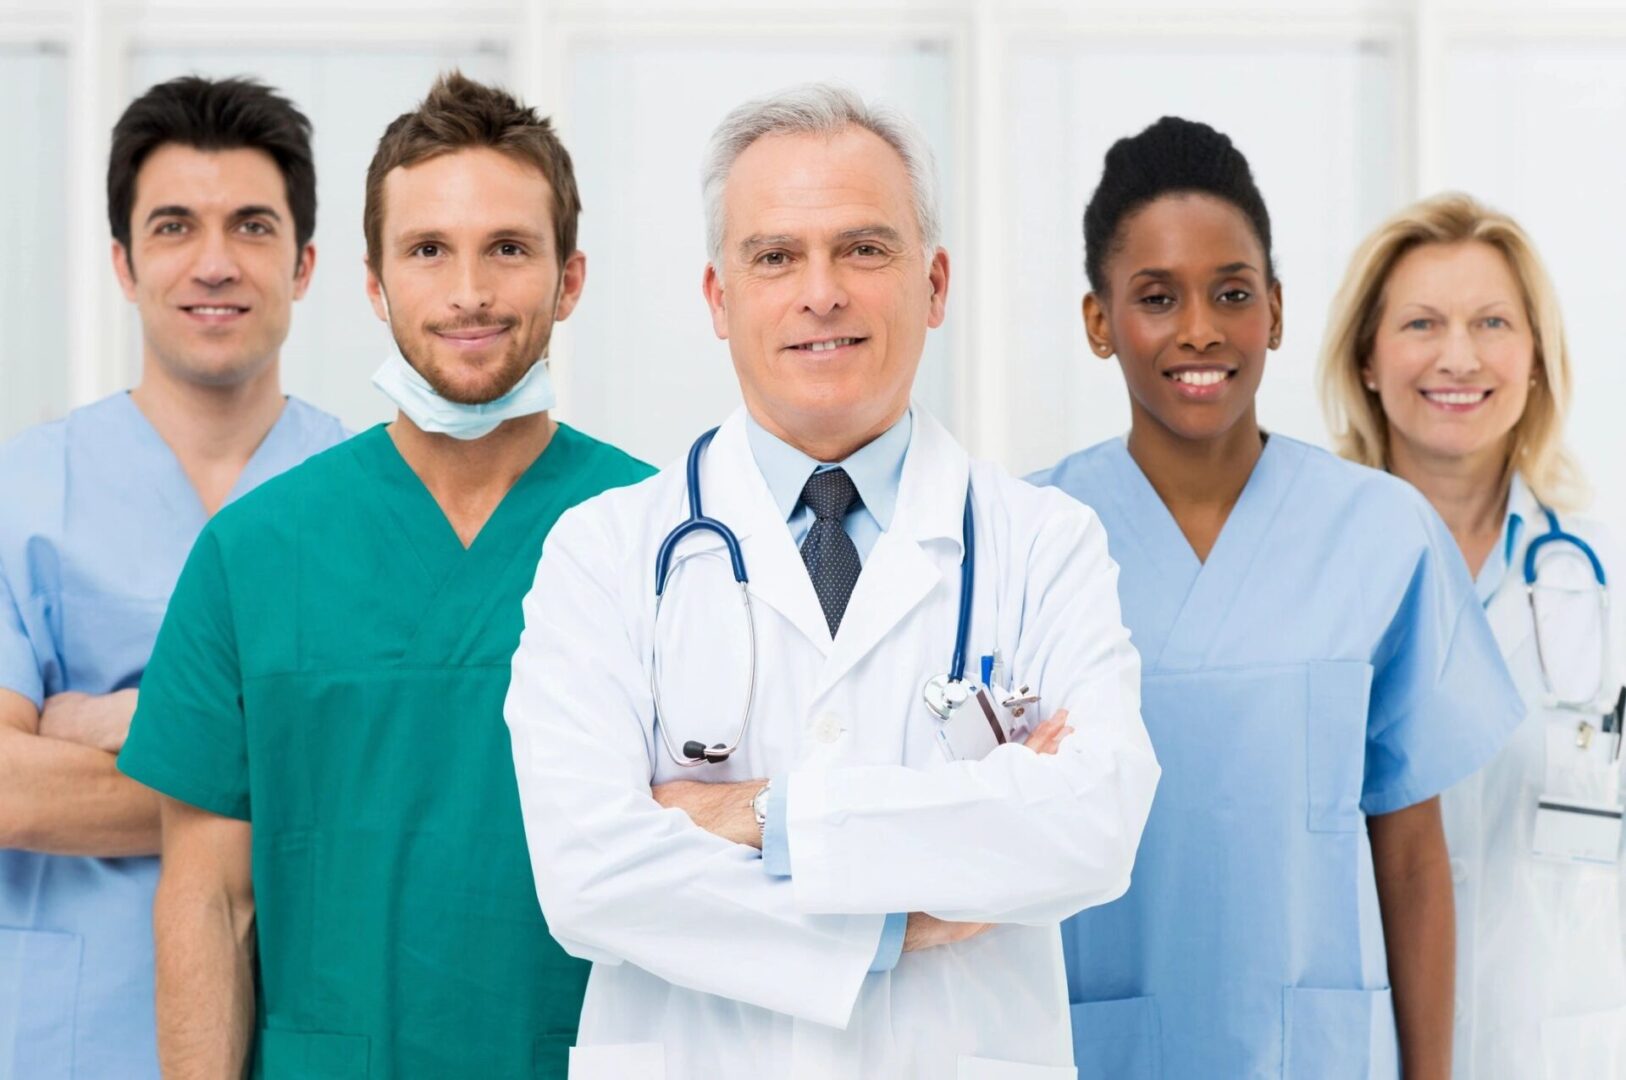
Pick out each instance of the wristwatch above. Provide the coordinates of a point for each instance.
(759, 807)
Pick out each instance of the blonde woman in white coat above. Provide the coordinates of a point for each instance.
(1445, 364)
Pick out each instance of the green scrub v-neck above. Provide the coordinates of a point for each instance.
(333, 667)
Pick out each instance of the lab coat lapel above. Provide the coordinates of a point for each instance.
(1232, 558)
(1509, 608)
(902, 568)
(735, 493)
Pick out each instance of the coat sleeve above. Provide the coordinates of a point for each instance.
(620, 878)
(1015, 837)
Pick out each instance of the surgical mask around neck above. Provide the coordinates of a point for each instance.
(412, 394)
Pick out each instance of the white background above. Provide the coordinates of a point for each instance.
(1347, 110)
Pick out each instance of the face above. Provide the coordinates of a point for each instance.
(468, 277)
(215, 265)
(1189, 312)
(823, 289)
(1454, 352)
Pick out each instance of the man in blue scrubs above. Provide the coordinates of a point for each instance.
(212, 203)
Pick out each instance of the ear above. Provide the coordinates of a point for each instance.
(303, 271)
(712, 286)
(938, 275)
(1097, 330)
(572, 282)
(375, 293)
(1275, 314)
(122, 270)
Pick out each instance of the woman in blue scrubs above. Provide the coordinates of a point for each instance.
(1317, 669)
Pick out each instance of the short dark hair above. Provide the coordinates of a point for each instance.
(460, 114)
(1172, 157)
(212, 114)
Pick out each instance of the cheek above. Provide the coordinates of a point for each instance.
(1399, 363)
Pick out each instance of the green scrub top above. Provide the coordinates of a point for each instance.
(332, 667)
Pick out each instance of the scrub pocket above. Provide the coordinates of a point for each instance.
(314, 1055)
(1339, 1035)
(1592, 1044)
(39, 991)
(618, 1061)
(1117, 1040)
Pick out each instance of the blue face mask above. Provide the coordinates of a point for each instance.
(412, 394)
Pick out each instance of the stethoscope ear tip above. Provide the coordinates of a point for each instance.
(696, 751)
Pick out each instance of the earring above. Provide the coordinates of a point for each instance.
(1372, 386)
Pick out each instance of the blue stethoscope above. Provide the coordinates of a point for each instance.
(943, 693)
(1555, 534)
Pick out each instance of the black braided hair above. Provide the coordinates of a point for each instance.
(1172, 157)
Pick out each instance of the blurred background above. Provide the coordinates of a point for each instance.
(1346, 109)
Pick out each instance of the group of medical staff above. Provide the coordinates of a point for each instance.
(470, 746)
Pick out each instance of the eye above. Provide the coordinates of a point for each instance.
(510, 248)
(170, 228)
(1418, 324)
(426, 250)
(867, 251)
(1156, 300)
(1235, 296)
(1496, 322)
(256, 228)
(772, 258)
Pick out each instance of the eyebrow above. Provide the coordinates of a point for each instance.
(176, 211)
(424, 236)
(846, 236)
(1158, 273)
(256, 211)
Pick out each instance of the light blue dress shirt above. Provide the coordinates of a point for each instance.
(98, 518)
(876, 469)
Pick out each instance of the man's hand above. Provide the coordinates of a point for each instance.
(1047, 737)
(721, 809)
(925, 931)
(100, 721)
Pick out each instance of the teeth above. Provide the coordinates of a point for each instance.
(201, 310)
(1200, 378)
(1457, 397)
(833, 343)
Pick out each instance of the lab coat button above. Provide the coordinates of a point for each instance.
(1459, 871)
(826, 728)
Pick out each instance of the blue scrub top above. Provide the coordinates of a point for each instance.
(1330, 660)
(98, 519)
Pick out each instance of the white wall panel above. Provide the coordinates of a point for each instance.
(1318, 124)
(35, 310)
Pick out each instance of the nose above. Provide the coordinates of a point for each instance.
(1198, 330)
(471, 287)
(822, 290)
(216, 265)
(1458, 357)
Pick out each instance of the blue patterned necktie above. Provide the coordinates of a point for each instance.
(828, 552)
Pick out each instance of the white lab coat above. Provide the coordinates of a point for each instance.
(1541, 983)
(707, 968)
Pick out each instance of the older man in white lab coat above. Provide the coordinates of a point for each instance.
(766, 914)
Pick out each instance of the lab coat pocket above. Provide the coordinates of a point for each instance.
(317, 1055)
(1117, 1040)
(1591, 1045)
(1335, 743)
(618, 1061)
(1339, 1035)
(39, 992)
(980, 1068)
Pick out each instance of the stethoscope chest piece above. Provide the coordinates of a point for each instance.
(944, 695)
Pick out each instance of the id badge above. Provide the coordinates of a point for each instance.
(1570, 830)
(986, 718)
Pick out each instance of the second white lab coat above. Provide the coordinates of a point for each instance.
(704, 965)
(1541, 983)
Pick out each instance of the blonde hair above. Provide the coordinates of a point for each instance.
(1355, 415)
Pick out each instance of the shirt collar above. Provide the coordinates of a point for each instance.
(876, 468)
(1521, 505)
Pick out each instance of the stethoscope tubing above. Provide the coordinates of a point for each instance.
(1556, 534)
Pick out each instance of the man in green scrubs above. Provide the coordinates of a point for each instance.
(345, 889)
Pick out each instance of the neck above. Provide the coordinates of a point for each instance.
(469, 477)
(823, 446)
(1196, 472)
(212, 430)
(1468, 492)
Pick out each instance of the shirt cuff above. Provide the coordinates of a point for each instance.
(775, 840)
(891, 946)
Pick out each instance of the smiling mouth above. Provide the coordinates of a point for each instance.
(828, 345)
(214, 310)
(1456, 398)
(1199, 377)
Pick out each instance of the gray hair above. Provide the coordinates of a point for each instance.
(816, 109)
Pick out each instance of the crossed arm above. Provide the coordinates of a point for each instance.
(60, 791)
